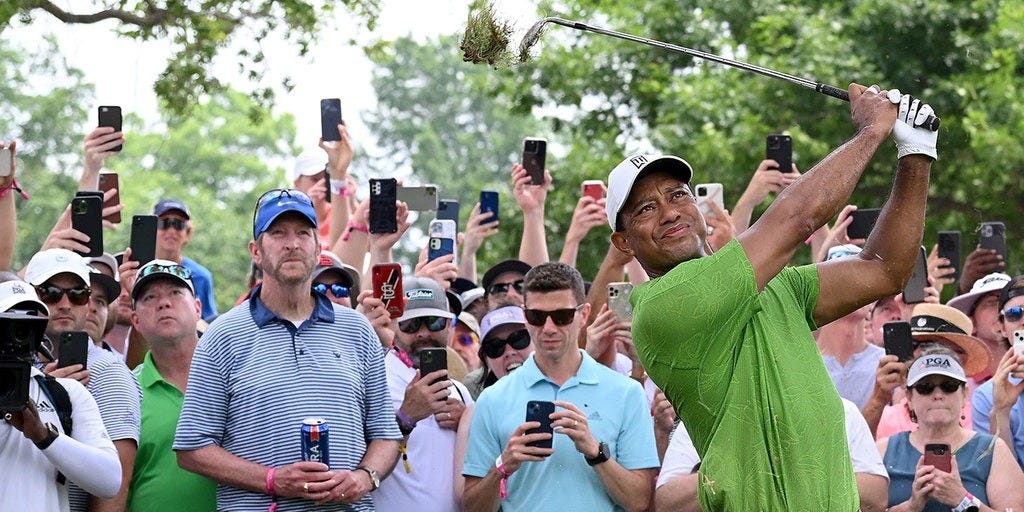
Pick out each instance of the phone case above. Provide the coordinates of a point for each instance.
(897, 340)
(618, 300)
(1018, 342)
(780, 148)
(6, 162)
(863, 222)
(108, 180)
(387, 286)
(489, 203)
(330, 118)
(383, 194)
(992, 235)
(432, 360)
(938, 455)
(709, 193)
(593, 188)
(913, 293)
(87, 217)
(949, 248)
(448, 209)
(74, 349)
(535, 158)
(110, 115)
(419, 199)
(442, 239)
(540, 411)
(143, 239)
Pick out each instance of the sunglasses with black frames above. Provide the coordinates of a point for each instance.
(947, 386)
(560, 317)
(50, 294)
(502, 288)
(433, 323)
(494, 347)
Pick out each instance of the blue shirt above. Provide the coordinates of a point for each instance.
(973, 459)
(981, 404)
(202, 279)
(255, 377)
(617, 414)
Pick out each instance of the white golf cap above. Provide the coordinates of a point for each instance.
(993, 282)
(622, 178)
(48, 263)
(307, 164)
(935, 364)
(20, 295)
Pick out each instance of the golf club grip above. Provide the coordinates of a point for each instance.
(932, 123)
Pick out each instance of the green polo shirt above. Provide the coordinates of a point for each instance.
(158, 483)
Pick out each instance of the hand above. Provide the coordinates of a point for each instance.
(128, 271)
(375, 312)
(426, 395)
(307, 480)
(517, 451)
(768, 179)
(922, 487)
(339, 154)
(448, 416)
(5, 181)
(910, 137)
(75, 371)
(588, 214)
(931, 293)
(441, 269)
(601, 334)
(110, 210)
(478, 228)
(1004, 392)
(837, 233)
(385, 241)
(720, 227)
(348, 486)
(947, 487)
(28, 423)
(99, 145)
(572, 422)
(939, 269)
(663, 412)
(871, 110)
(978, 264)
(63, 236)
(529, 197)
(318, 192)
(889, 375)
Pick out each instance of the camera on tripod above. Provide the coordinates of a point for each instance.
(20, 334)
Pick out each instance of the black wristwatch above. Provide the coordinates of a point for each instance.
(51, 436)
(603, 454)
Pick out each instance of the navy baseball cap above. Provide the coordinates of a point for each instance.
(167, 205)
(274, 203)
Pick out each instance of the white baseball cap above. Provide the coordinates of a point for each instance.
(20, 295)
(993, 282)
(935, 364)
(307, 164)
(48, 263)
(622, 178)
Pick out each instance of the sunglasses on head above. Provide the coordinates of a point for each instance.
(947, 386)
(537, 317)
(433, 323)
(1013, 314)
(276, 194)
(174, 270)
(336, 289)
(51, 294)
(494, 347)
(172, 223)
(502, 288)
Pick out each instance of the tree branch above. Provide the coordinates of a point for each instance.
(154, 16)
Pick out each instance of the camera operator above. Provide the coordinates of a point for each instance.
(39, 457)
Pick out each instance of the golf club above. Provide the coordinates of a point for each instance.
(533, 35)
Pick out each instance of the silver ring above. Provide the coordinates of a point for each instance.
(8, 416)
(305, 487)
(575, 423)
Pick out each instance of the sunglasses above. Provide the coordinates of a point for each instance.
(336, 289)
(174, 270)
(466, 339)
(538, 317)
(947, 387)
(502, 288)
(172, 223)
(494, 347)
(1013, 314)
(276, 194)
(433, 323)
(51, 294)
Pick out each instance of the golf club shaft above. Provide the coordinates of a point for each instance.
(932, 123)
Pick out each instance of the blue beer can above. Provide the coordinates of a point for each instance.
(315, 445)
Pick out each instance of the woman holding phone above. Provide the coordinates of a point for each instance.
(942, 465)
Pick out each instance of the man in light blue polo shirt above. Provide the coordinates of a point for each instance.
(603, 454)
(284, 355)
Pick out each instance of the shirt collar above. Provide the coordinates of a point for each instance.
(587, 373)
(147, 374)
(323, 309)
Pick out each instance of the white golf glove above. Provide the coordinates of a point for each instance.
(910, 137)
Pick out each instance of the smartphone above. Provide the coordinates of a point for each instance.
(448, 209)
(108, 180)
(618, 300)
(540, 411)
(863, 222)
(442, 239)
(419, 199)
(1018, 347)
(87, 217)
(992, 235)
(779, 147)
(74, 349)
(593, 188)
(383, 216)
(709, 193)
(897, 340)
(913, 293)
(949, 248)
(143, 238)
(387, 286)
(330, 118)
(489, 203)
(432, 360)
(938, 455)
(110, 115)
(6, 162)
(535, 158)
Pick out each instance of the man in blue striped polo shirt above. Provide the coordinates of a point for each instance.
(284, 355)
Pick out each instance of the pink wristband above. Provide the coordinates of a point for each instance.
(270, 481)
(503, 485)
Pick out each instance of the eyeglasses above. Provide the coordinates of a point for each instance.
(494, 347)
(466, 339)
(172, 223)
(947, 387)
(1013, 314)
(51, 294)
(433, 323)
(502, 288)
(336, 289)
(174, 270)
(537, 317)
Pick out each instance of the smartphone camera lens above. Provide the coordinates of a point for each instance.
(79, 207)
(702, 191)
(531, 145)
(986, 231)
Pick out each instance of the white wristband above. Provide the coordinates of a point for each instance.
(337, 185)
